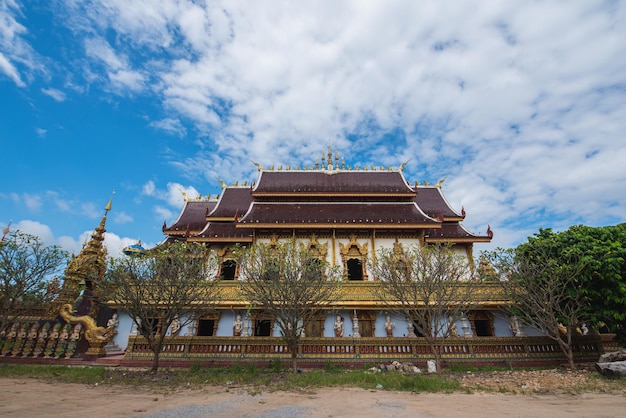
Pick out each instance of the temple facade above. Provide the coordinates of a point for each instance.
(341, 214)
(344, 215)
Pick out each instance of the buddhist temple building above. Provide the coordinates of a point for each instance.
(344, 215)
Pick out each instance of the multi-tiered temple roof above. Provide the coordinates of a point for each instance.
(326, 196)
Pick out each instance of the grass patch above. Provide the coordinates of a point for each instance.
(366, 380)
(238, 375)
(275, 377)
(67, 374)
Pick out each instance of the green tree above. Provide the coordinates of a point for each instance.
(292, 284)
(542, 283)
(28, 271)
(173, 282)
(601, 257)
(431, 285)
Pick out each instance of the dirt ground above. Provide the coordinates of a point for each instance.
(28, 398)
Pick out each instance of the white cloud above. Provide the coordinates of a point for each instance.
(17, 58)
(36, 228)
(149, 188)
(41, 132)
(113, 243)
(118, 70)
(164, 213)
(522, 104)
(173, 126)
(33, 202)
(9, 70)
(174, 193)
(122, 218)
(57, 95)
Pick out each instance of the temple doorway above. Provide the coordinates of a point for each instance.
(355, 269)
(263, 328)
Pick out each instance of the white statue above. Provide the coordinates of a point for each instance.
(338, 327)
(237, 326)
(389, 326)
(113, 322)
(583, 329)
(175, 327)
(516, 327)
(410, 327)
(245, 332)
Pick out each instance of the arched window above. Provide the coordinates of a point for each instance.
(228, 270)
(355, 269)
(354, 256)
(263, 328)
(482, 323)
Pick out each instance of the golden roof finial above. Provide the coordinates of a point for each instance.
(258, 166)
(440, 182)
(107, 208)
(222, 183)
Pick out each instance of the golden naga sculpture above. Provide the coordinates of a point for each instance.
(97, 336)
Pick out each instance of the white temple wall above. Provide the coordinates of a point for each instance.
(225, 323)
(501, 324)
(123, 330)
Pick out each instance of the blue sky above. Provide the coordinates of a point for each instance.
(522, 105)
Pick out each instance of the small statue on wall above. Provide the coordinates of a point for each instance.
(113, 322)
(389, 326)
(338, 327)
(237, 326)
(175, 327)
(411, 328)
(516, 327)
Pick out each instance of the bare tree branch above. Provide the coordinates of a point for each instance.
(431, 285)
(170, 283)
(291, 284)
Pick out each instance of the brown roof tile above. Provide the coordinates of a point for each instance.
(192, 217)
(311, 214)
(234, 201)
(454, 232)
(223, 231)
(433, 203)
(336, 182)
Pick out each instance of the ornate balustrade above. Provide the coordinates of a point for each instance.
(366, 294)
(537, 350)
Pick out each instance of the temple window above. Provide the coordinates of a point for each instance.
(263, 328)
(353, 256)
(482, 323)
(228, 270)
(206, 328)
(207, 325)
(355, 269)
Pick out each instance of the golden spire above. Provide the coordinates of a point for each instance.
(107, 208)
(88, 267)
